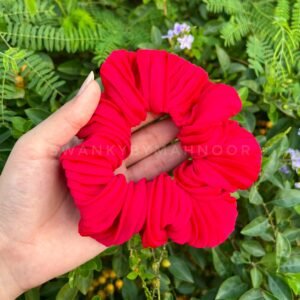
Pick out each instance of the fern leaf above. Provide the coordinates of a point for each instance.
(295, 26)
(234, 30)
(51, 38)
(284, 46)
(228, 6)
(256, 54)
(20, 12)
(41, 76)
(282, 11)
(31, 6)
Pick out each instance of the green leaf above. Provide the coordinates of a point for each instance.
(231, 288)
(256, 227)
(254, 196)
(291, 265)
(287, 198)
(253, 294)
(94, 264)
(293, 281)
(83, 282)
(129, 290)
(243, 93)
(198, 256)
(239, 258)
(270, 166)
(160, 4)
(269, 261)
(20, 124)
(274, 142)
(184, 287)
(120, 265)
(292, 234)
(268, 296)
(283, 246)
(180, 270)
(67, 293)
(246, 119)
(279, 288)
(253, 247)
(4, 136)
(132, 275)
(36, 115)
(50, 289)
(220, 262)
(70, 67)
(168, 296)
(33, 294)
(110, 251)
(256, 277)
(251, 84)
(224, 59)
(156, 36)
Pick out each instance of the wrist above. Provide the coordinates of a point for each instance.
(9, 288)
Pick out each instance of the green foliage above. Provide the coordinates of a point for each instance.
(46, 50)
(271, 31)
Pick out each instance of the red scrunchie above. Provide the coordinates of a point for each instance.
(195, 206)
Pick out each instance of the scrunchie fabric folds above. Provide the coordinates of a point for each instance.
(194, 206)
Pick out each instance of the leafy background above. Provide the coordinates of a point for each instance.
(48, 47)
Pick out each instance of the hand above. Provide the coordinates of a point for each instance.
(38, 222)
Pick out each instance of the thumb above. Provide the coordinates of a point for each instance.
(59, 128)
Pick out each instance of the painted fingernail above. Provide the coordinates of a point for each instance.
(89, 79)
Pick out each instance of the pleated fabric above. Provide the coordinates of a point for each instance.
(193, 207)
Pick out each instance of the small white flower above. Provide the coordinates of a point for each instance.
(297, 185)
(186, 41)
(295, 158)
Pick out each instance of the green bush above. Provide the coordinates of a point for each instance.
(48, 47)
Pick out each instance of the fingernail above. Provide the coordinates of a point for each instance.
(89, 79)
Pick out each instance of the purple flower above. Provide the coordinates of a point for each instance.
(297, 185)
(295, 158)
(169, 35)
(186, 41)
(284, 169)
(177, 30)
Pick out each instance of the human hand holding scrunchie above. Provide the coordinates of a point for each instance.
(39, 237)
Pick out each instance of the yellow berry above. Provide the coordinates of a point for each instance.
(102, 279)
(106, 273)
(112, 274)
(262, 131)
(166, 263)
(110, 288)
(101, 294)
(19, 81)
(269, 124)
(119, 284)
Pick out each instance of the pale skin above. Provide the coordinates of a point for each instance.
(39, 238)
